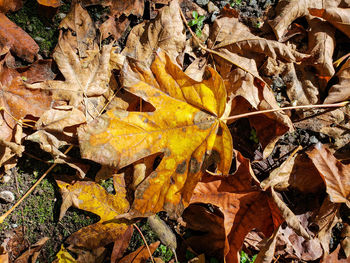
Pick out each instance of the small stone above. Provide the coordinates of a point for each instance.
(202, 2)
(61, 15)
(212, 8)
(110, 189)
(313, 140)
(6, 179)
(7, 196)
(14, 225)
(39, 39)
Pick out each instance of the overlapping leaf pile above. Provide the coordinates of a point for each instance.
(127, 110)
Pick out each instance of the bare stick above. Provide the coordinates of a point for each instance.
(335, 105)
(2, 218)
(144, 240)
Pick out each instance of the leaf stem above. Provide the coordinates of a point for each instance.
(3, 217)
(248, 114)
(144, 240)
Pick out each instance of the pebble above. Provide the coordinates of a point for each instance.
(14, 225)
(61, 15)
(7, 196)
(202, 2)
(212, 8)
(6, 179)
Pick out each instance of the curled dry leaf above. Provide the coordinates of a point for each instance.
(341, 90)
(33, 252)
(92, 197)
(184, 127)
(84, 66)
(335, 174)
(162, 230)
(165, 32)
(338, 17)
(17, 40)
(244, 207)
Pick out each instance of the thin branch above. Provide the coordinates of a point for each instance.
(144, 240)
(335, 105)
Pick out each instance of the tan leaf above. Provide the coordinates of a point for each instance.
(165, 32)
(266, 254)
(183, 107)
(345, 243)
(338, 17)
(84, 67)
(17, 39)
(335, 174)
(341, 90)
(112, 28)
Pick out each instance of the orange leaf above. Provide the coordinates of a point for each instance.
(184, 127)
(50, 3)
(244, 207)
(140, 255)
(335, 174)
(17, 39)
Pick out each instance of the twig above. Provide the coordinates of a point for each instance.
(144, 240)
(335, 105)
(3, 217)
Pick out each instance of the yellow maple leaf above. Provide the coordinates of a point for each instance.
(186, 125)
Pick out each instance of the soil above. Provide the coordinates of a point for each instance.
(37, 216)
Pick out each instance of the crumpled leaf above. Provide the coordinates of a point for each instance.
(165, 32)
(84, 67)
(341, 90)
(33, 252)
(338, 17)
(244, 207)
(183, 107)
(335, 174)
(17, 40)
(118, 8)
(91, 197)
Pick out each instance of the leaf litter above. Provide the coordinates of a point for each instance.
(156, 111)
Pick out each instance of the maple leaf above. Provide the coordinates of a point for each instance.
(17, 40)
(185, 126)
(335, 174)
(84, 67)
(91, 197)
(244, 207)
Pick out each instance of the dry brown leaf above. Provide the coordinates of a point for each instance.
(210, 225)
(334, 257)
(92, 197)
(17, 40)
(266, 254)
(244, 207)
(121, 245)
(165, 32)
(345, 243)
(341, 90)
(140, 255)
(338, 17)
(112, 28)
(33, 252)
(183, 107)
(335, 174)
(10, 5)
(85, 68)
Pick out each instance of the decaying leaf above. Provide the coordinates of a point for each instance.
(184, 127)
(335, 174)
(140, 255)
(84, 66)
(165, 32)
(32, 253)
(91, 197)
(63, 256)
(17, 40)
(244, 207)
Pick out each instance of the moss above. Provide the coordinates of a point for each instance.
(43, 31)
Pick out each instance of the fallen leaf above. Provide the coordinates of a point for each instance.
(84, 66)
(50, 3)
(183, 107)
(112, 28)
(12, 5)
(345, 243)
(63, 256)
(32, 253)
(140, 255)
(121, 244)
(165, 32)
(244, 206)
(17, 40)
(340, 91)
(335, 256)
(335, 174)
(91, 197)
(338, 17)
(266, 254)
(164, 233)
